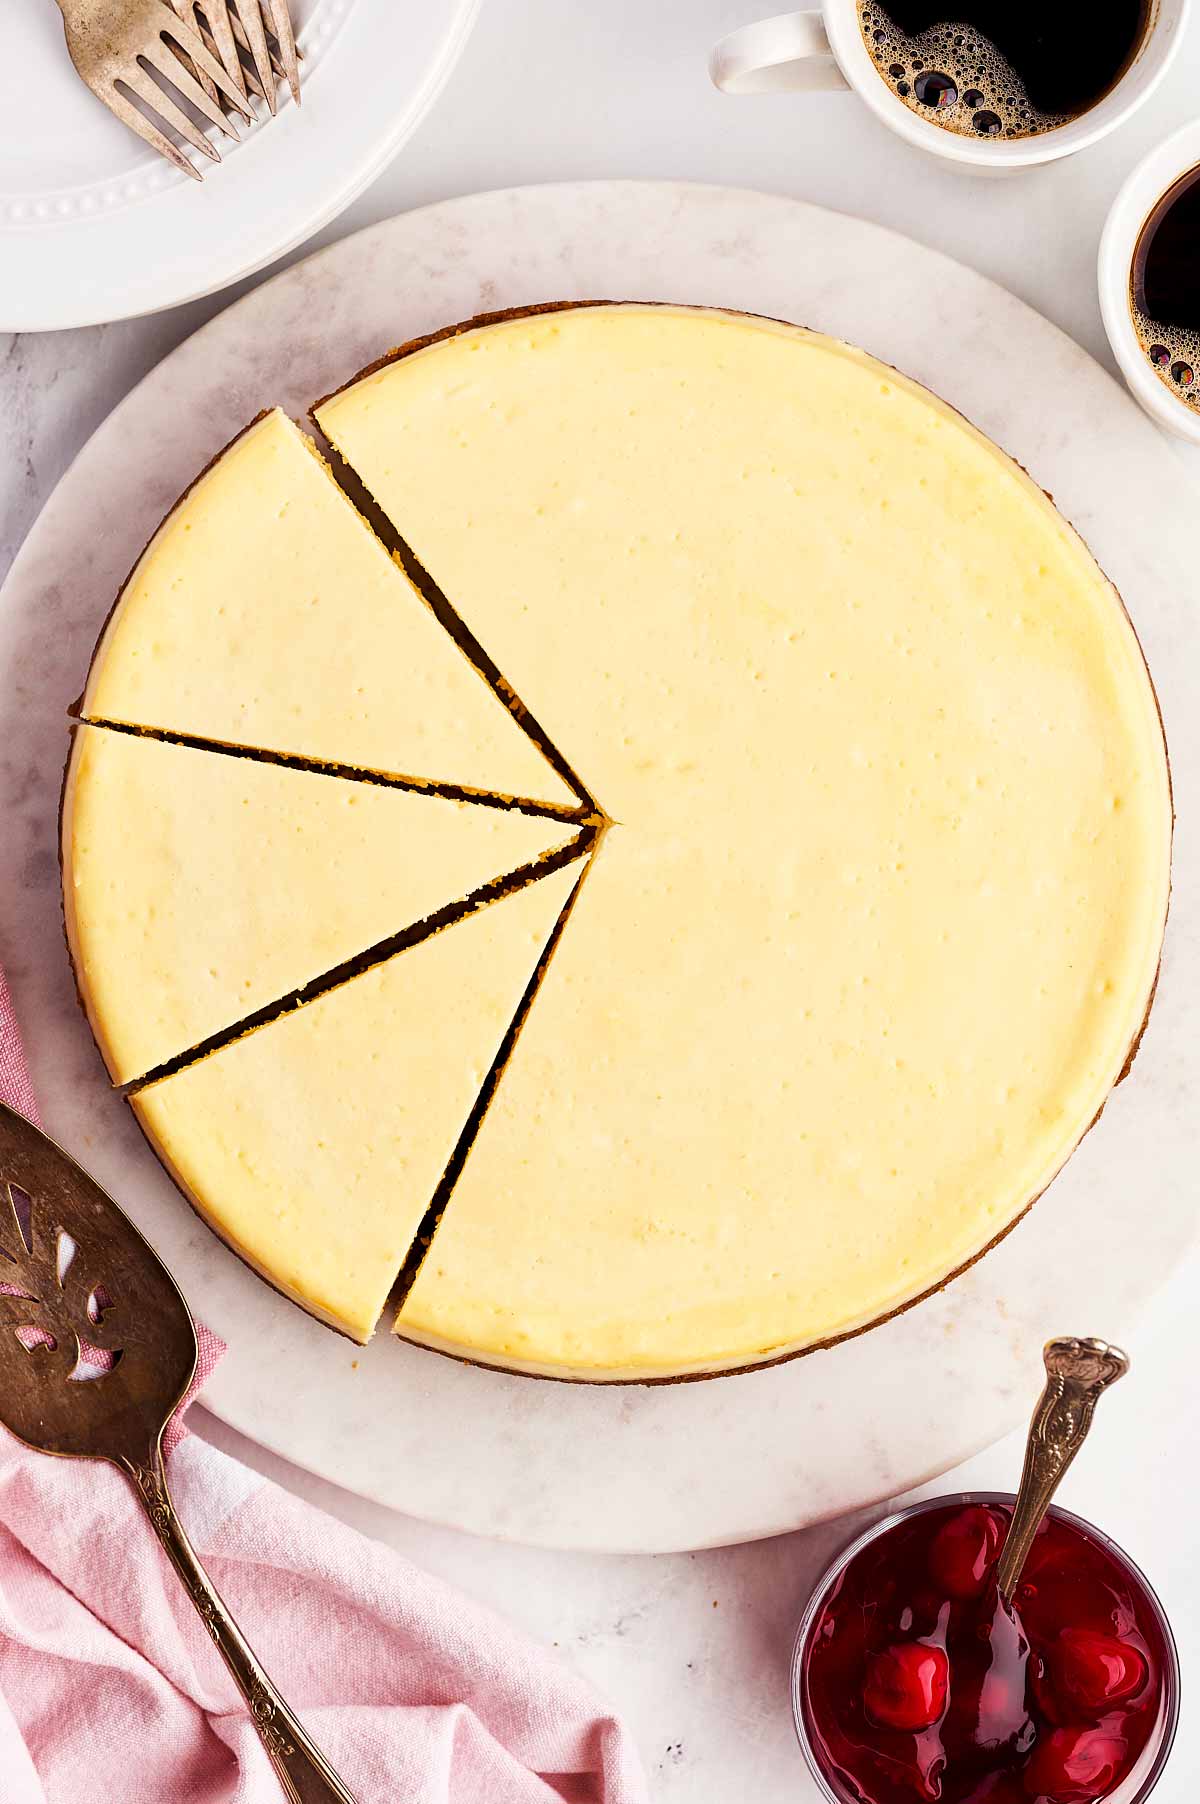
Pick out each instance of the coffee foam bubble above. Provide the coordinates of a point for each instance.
(1182, 346)
(999, 105)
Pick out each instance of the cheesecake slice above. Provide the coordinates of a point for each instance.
(265, 613)
(200, 886)
(315, 1145)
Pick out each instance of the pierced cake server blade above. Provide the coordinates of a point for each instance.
(97, 1350)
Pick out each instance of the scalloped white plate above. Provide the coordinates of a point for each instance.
(94, 226)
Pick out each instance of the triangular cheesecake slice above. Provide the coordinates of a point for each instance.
(264, 612)
(315, 1145)
(199, 886)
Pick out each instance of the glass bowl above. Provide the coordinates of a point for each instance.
(1145, 1776)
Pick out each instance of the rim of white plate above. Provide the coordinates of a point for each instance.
(146, 238)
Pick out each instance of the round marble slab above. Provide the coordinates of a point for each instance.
(624, 1467)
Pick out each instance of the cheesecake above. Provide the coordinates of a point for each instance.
(832, 825)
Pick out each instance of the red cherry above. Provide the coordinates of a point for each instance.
(1075, 1766)
(1093, 1671)
(964, 1549)
(906, 1685)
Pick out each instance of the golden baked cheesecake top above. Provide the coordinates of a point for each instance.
(879, 918)
(871, 935)
(316, 1144)
(263, 612)
(199, 888)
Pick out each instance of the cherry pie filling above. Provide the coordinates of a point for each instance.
(920, 1683)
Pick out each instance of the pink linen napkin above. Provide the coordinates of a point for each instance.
(110, 1688)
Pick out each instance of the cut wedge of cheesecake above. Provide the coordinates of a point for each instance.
(265, 613)
(200, 886)
(316, 1144)
(878, 921)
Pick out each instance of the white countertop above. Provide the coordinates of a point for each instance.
(694, 1648)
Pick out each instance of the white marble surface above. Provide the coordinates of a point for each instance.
(611, 1468)
(550, 91)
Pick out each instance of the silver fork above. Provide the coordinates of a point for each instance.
(237, 26)
(115, 44)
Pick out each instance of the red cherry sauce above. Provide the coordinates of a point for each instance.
(919, 1683)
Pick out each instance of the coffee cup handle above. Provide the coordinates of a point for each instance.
(787, 54)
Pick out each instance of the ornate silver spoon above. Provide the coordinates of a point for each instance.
(1078, 1372)
(97, 1351)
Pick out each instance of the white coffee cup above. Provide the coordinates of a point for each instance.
(1154, 176)
(805, 51)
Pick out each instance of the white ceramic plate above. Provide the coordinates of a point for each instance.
(620, 1467)
(94, 226)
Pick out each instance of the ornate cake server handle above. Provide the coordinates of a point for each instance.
(93, 1300)
(1078, 1372)
(304, 1773)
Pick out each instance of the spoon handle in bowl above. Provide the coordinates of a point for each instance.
(1077, 1373)
(304, 1773)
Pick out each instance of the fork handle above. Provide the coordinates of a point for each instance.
(304, 1773)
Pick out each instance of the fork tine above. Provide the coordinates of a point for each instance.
(183, 8)
(188, 39)
(129, 115)
(232, 121)
(210, 88)
(189, 13)
(243, 45)
(281, 19)
(216, 12)
(256, 37)
(147, 89)
(162, 54)
(249, 78)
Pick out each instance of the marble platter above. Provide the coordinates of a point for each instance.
(627, 1468)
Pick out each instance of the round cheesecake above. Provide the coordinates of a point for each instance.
(825, 867)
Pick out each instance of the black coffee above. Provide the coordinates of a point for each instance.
(1164, 291)
(1003, 68)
